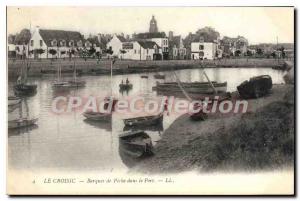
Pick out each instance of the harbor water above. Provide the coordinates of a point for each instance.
(68, 142)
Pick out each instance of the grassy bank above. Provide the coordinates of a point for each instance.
(261, 139)
(92, 66)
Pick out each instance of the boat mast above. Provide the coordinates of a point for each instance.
(111, 64)
(210, 83)
(74, 74)
(181, 87)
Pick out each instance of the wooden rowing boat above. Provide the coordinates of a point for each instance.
(20, 123)
(136, 144)
(159, 76)
(193, 87)
(25, 89)
(144, 121)
(97, 116)
(13, 100)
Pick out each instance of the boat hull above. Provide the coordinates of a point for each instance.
(97, 116)
(196, 88)
(21, 123)
(25, 89)
(144, 121)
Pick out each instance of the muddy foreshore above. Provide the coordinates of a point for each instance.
(44, 67)
(262, 138)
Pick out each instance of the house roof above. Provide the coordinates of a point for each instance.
(59, 35)
(122, 39)
(148, 35)
(148, 44)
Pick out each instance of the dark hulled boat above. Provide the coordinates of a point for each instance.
(25, 89)
(144, 121)
(136, 144)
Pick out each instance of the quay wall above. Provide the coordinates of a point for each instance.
(95, 67)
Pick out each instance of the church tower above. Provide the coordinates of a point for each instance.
(153, 25)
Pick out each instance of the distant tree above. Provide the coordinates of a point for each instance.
(122, 52)
(23, 37)
(98, 54)
(71, 52)
(52, 52)
(92, 51)
(237, 53)
(62, 53)
(259, 51)
(39, 52)
(109, 51)
(273, 54)
(249, 53)
(281, 49)
(11, 39)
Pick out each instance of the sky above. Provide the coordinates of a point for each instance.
(257, 24)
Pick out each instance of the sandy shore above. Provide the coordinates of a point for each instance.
(262, 138)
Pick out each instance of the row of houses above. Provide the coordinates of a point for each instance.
(152, 45)
(144, 46)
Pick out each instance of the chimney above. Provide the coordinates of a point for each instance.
(170, 35)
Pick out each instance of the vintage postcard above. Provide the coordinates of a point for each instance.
(150, 100)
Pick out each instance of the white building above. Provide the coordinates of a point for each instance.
(115, 44)
(64, 43)
(140, 50)
(204, 50)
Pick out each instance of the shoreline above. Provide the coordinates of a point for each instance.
(45, 67)
(215, 144)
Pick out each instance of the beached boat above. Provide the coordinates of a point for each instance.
(13, 100)
(193, 87)
(144, 76)
(159, 76)
(97, 116)
(20, 123)
(145, 120)
(136, 144)
(256, 87)
(158, 127)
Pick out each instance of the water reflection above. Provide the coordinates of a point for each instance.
(67, 141)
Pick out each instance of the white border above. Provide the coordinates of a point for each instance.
(3, 94)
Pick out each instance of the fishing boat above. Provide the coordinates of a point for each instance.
(144, 76)
(59, 84)
(21, 122)
(13, 100)
(136, 144)
(193, 87)
(125, 86)
(76, 83)
(22, 88)
(256, 87)
(97, 116)
(158, 127)
(25, 89)
(159, 76)
(145, 120)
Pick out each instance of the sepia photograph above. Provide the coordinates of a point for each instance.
(150, 100)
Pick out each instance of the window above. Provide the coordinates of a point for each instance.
(134, 51)
(147, 51)
(62, 43)
(54, 43)
(31, 43)
(71, 43)
(41, 43)
(201, 47)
